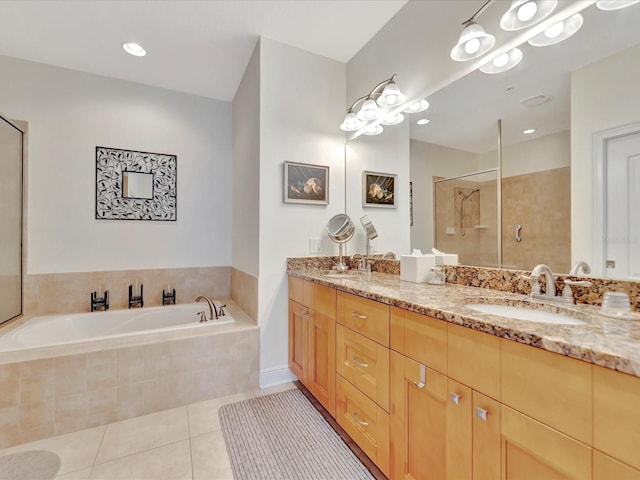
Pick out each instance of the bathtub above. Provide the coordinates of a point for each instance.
(69, 329)
(115, 365)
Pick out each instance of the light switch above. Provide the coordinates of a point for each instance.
(315, 246)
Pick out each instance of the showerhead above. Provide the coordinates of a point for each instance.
(466, 197)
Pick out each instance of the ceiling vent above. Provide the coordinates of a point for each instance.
(536, 100)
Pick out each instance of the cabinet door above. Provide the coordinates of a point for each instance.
(607, 468)
(533, 451)
(298, 340)
(418, 410)
(321, 369)
(486, 438)
(459, 431)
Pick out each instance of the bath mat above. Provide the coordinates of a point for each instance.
(282, 436)
(31, 465)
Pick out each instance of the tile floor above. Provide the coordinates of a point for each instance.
(181, 443)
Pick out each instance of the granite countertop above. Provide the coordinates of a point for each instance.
(603, 341)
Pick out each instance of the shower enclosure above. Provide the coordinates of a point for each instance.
(466, 217)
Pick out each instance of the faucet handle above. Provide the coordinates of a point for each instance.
(221, 310)
(203, 316)
(578, 283)
(535, 287)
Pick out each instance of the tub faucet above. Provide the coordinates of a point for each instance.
(212, 306)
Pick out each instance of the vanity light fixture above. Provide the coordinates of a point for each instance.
(615, 4)
(374, 106)
(423, 121)
(529, 131)
(525, 13)
(558, 32)
(474, 41)
(134, 49)
(503, 62)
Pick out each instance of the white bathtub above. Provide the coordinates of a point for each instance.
(68, 329)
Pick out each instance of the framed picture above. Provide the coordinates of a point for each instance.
(379, 190)
(305, 183)
(133, 185)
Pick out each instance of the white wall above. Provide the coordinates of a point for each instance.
(246, 169)
(69, 114)
(302, 99)
(603, 95)
(429, 160)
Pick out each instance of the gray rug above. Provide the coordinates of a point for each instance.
(282, 436)
(31, 465)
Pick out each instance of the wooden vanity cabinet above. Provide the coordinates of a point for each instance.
(312, 339)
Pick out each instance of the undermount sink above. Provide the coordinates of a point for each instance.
(340, 275)
(523, 313)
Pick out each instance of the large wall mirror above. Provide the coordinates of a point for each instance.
(566, 93)
(11, 158)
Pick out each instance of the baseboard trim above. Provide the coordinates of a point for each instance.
(276, 376)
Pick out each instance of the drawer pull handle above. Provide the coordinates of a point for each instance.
(359, 363)
(423, 377)
(357, 315)
(481, 413)
(358, 421)
(455, 398)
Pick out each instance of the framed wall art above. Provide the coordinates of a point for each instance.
(305, 183)
(132, 185)
(379, 190)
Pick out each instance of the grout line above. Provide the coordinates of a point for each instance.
(190, 443)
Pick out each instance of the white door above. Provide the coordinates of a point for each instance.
(622, 224)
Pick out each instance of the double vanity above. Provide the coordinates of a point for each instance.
(442, 382)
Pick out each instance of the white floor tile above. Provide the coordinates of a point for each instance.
(77, 475)
(143, 433)
(210, 458)
(203, 416)
(76, 450)
(283, 387)
(169, 462)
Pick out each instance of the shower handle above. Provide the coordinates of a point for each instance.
(518, 228)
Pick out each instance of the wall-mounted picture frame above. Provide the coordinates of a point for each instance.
(306, 183)
(133, 185)
(379, 190)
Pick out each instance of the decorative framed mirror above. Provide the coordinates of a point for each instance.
(132, 185)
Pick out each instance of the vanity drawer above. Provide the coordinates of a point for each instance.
(364, 316)
(551, 388)
(616, 414)
(473, 358)
(419, 337)
(364, 363)
(365, 422)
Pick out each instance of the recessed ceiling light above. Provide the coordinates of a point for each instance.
(423, 121)
(529, 131)
(134, 49)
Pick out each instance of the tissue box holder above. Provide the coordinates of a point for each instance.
(416, 269)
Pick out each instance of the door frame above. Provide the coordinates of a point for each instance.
(599, 145)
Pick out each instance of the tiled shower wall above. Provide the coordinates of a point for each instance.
(42, 398)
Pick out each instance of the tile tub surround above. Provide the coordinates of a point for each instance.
(70, 292)
(602, 341)
(244, 291)
(42, 397)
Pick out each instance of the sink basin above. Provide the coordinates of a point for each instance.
(340, 275)
(528, 314)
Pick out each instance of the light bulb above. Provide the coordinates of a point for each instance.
(501, 60)
(527, 11)
(554, 30)
(472, 46)
(391, 98)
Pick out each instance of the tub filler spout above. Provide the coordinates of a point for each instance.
(212, 307)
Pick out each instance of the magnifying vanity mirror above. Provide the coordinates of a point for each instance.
(341, 229)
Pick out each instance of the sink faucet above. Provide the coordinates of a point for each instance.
(548, 275)
(212, 306)
(575, 270)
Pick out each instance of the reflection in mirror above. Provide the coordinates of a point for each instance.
(466, 217)
(566, 92)
(11, 139)
(137, 185)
